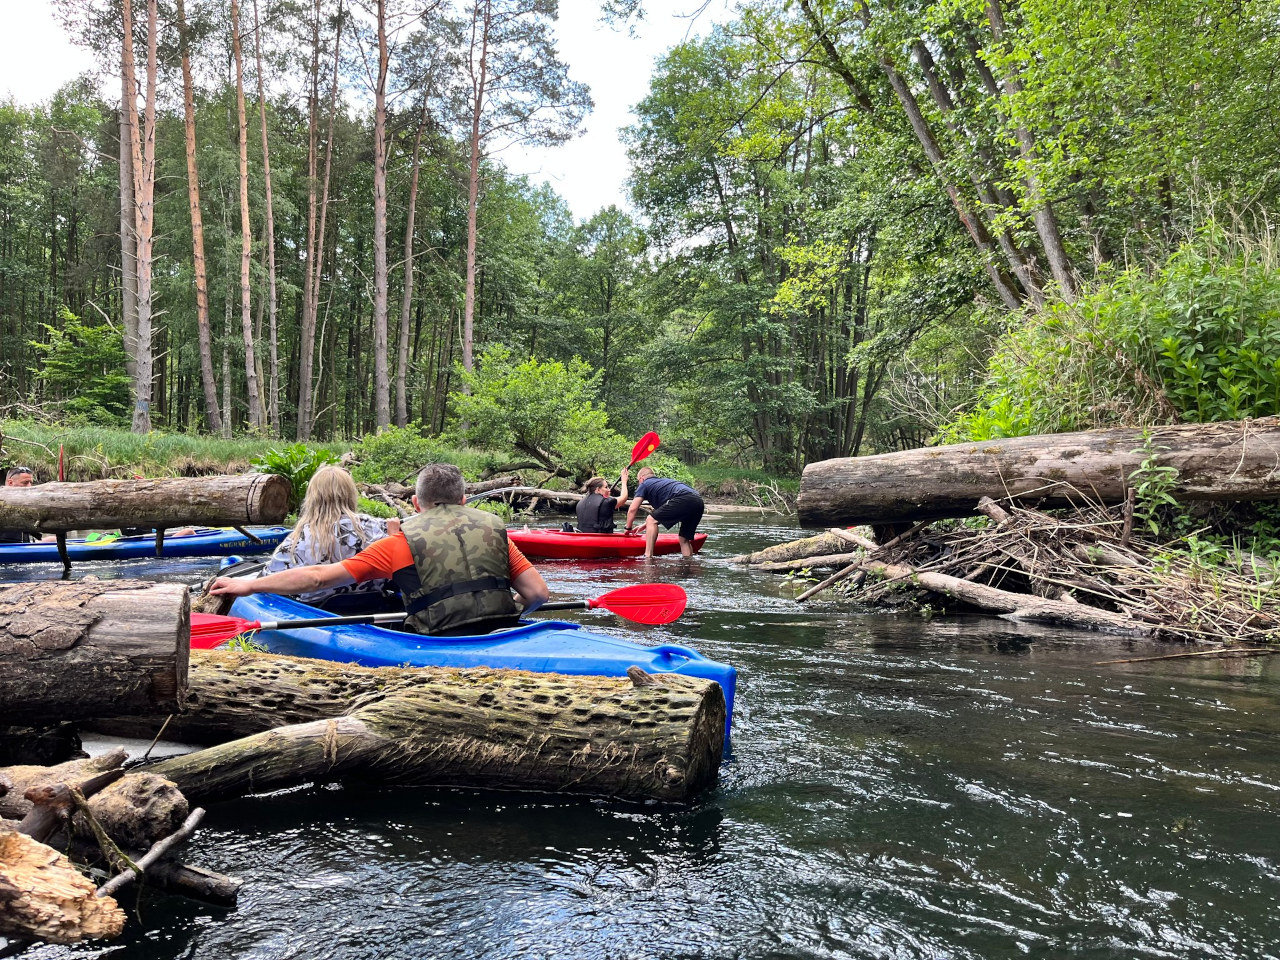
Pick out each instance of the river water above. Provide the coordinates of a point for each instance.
(898, 788)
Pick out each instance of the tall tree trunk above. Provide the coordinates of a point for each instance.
(307, 328)
(143, 160)
(273, 390)
(381, 380)
(205, 335)
(128, 238)
(480, 22)
(406, 300)
(305, 428)
(256, 420)
(1042, 213)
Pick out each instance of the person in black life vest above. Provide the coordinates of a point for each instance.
(596, 509)
(673, 502)
(20, 477)
(454, 565)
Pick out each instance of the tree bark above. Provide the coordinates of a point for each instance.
(381, 376)
(273, 387)
(1237, 460)
(208, 382)
(143, 164)
(163, 502)
(480, 23)
(44, 897)
(406, 300)
(824, 543)
(86, 648)
(658, 737)
(307, 331)
(128, 239)
(256, 420)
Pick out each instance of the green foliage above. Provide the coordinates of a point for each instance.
(1196, 338)
(81, 370)
(396, 453)
(297, 463)
(545, 410)
(1154, 504)
(376, 508)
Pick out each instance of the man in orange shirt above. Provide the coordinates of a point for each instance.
(454, 565)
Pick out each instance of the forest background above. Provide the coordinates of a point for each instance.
(857, 227)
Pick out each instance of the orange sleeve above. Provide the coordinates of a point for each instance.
(517, 562)
(380, 560)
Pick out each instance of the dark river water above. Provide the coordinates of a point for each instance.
(898, 788)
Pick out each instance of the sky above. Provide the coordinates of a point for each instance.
(590, 172)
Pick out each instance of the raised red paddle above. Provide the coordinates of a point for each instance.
(650, 603)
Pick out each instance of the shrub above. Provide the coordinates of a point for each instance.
(395, 453)
(297, 463)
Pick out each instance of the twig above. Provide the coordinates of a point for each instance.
(158, 849)
(1220, 652)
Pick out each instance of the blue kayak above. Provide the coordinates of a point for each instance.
(540, 646)
(203, 543)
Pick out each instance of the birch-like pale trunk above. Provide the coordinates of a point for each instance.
(273, 389)
(204, 333)
(381, 380)
(481, 21)
(406, 300)
(143, 162)
(256, 420)
(307, 332)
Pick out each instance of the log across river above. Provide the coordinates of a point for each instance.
(1216, 461)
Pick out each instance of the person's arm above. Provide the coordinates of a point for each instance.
(531, 589)
(634, 508)
(622, 494)
(320, 576)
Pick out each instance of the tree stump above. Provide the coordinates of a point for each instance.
(87, 648)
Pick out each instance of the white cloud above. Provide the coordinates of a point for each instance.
(36, 57)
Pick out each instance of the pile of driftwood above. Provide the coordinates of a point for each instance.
(1084, 568)
(507, 489)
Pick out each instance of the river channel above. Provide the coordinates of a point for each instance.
(899, 787)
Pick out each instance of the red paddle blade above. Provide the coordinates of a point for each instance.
(651, 603)
(648, 443)
(209, 630)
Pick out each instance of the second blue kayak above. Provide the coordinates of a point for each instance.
(217, 542)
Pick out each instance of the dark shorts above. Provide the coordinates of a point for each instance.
(685, 510)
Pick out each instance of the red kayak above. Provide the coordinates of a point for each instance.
(562, 545)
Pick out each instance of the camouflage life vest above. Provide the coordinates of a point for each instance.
(461, 561)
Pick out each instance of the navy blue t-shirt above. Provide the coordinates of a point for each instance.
(658, 490)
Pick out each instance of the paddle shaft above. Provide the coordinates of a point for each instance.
(391, 617)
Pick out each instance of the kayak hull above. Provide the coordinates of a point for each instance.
(539, 646)
(564, 545)
(205, 543)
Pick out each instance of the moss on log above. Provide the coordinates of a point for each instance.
(303, 720)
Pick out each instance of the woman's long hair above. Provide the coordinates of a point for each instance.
(331, 495)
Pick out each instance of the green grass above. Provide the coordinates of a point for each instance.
(96, 453)
(739, 485)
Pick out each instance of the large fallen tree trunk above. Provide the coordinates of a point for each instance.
(1215, 461)
(658, 737)
(90, 648)
(166, 502)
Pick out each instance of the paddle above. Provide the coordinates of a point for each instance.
(650, 603)
(644, 446)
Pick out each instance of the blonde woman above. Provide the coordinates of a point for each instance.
(330, 530)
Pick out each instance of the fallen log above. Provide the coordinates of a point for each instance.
(809, 563)
(1239, 460)
(824, 543)
(44, 897)
(491, 729)
(89, 648)
(165, 502)
(1014, 606)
